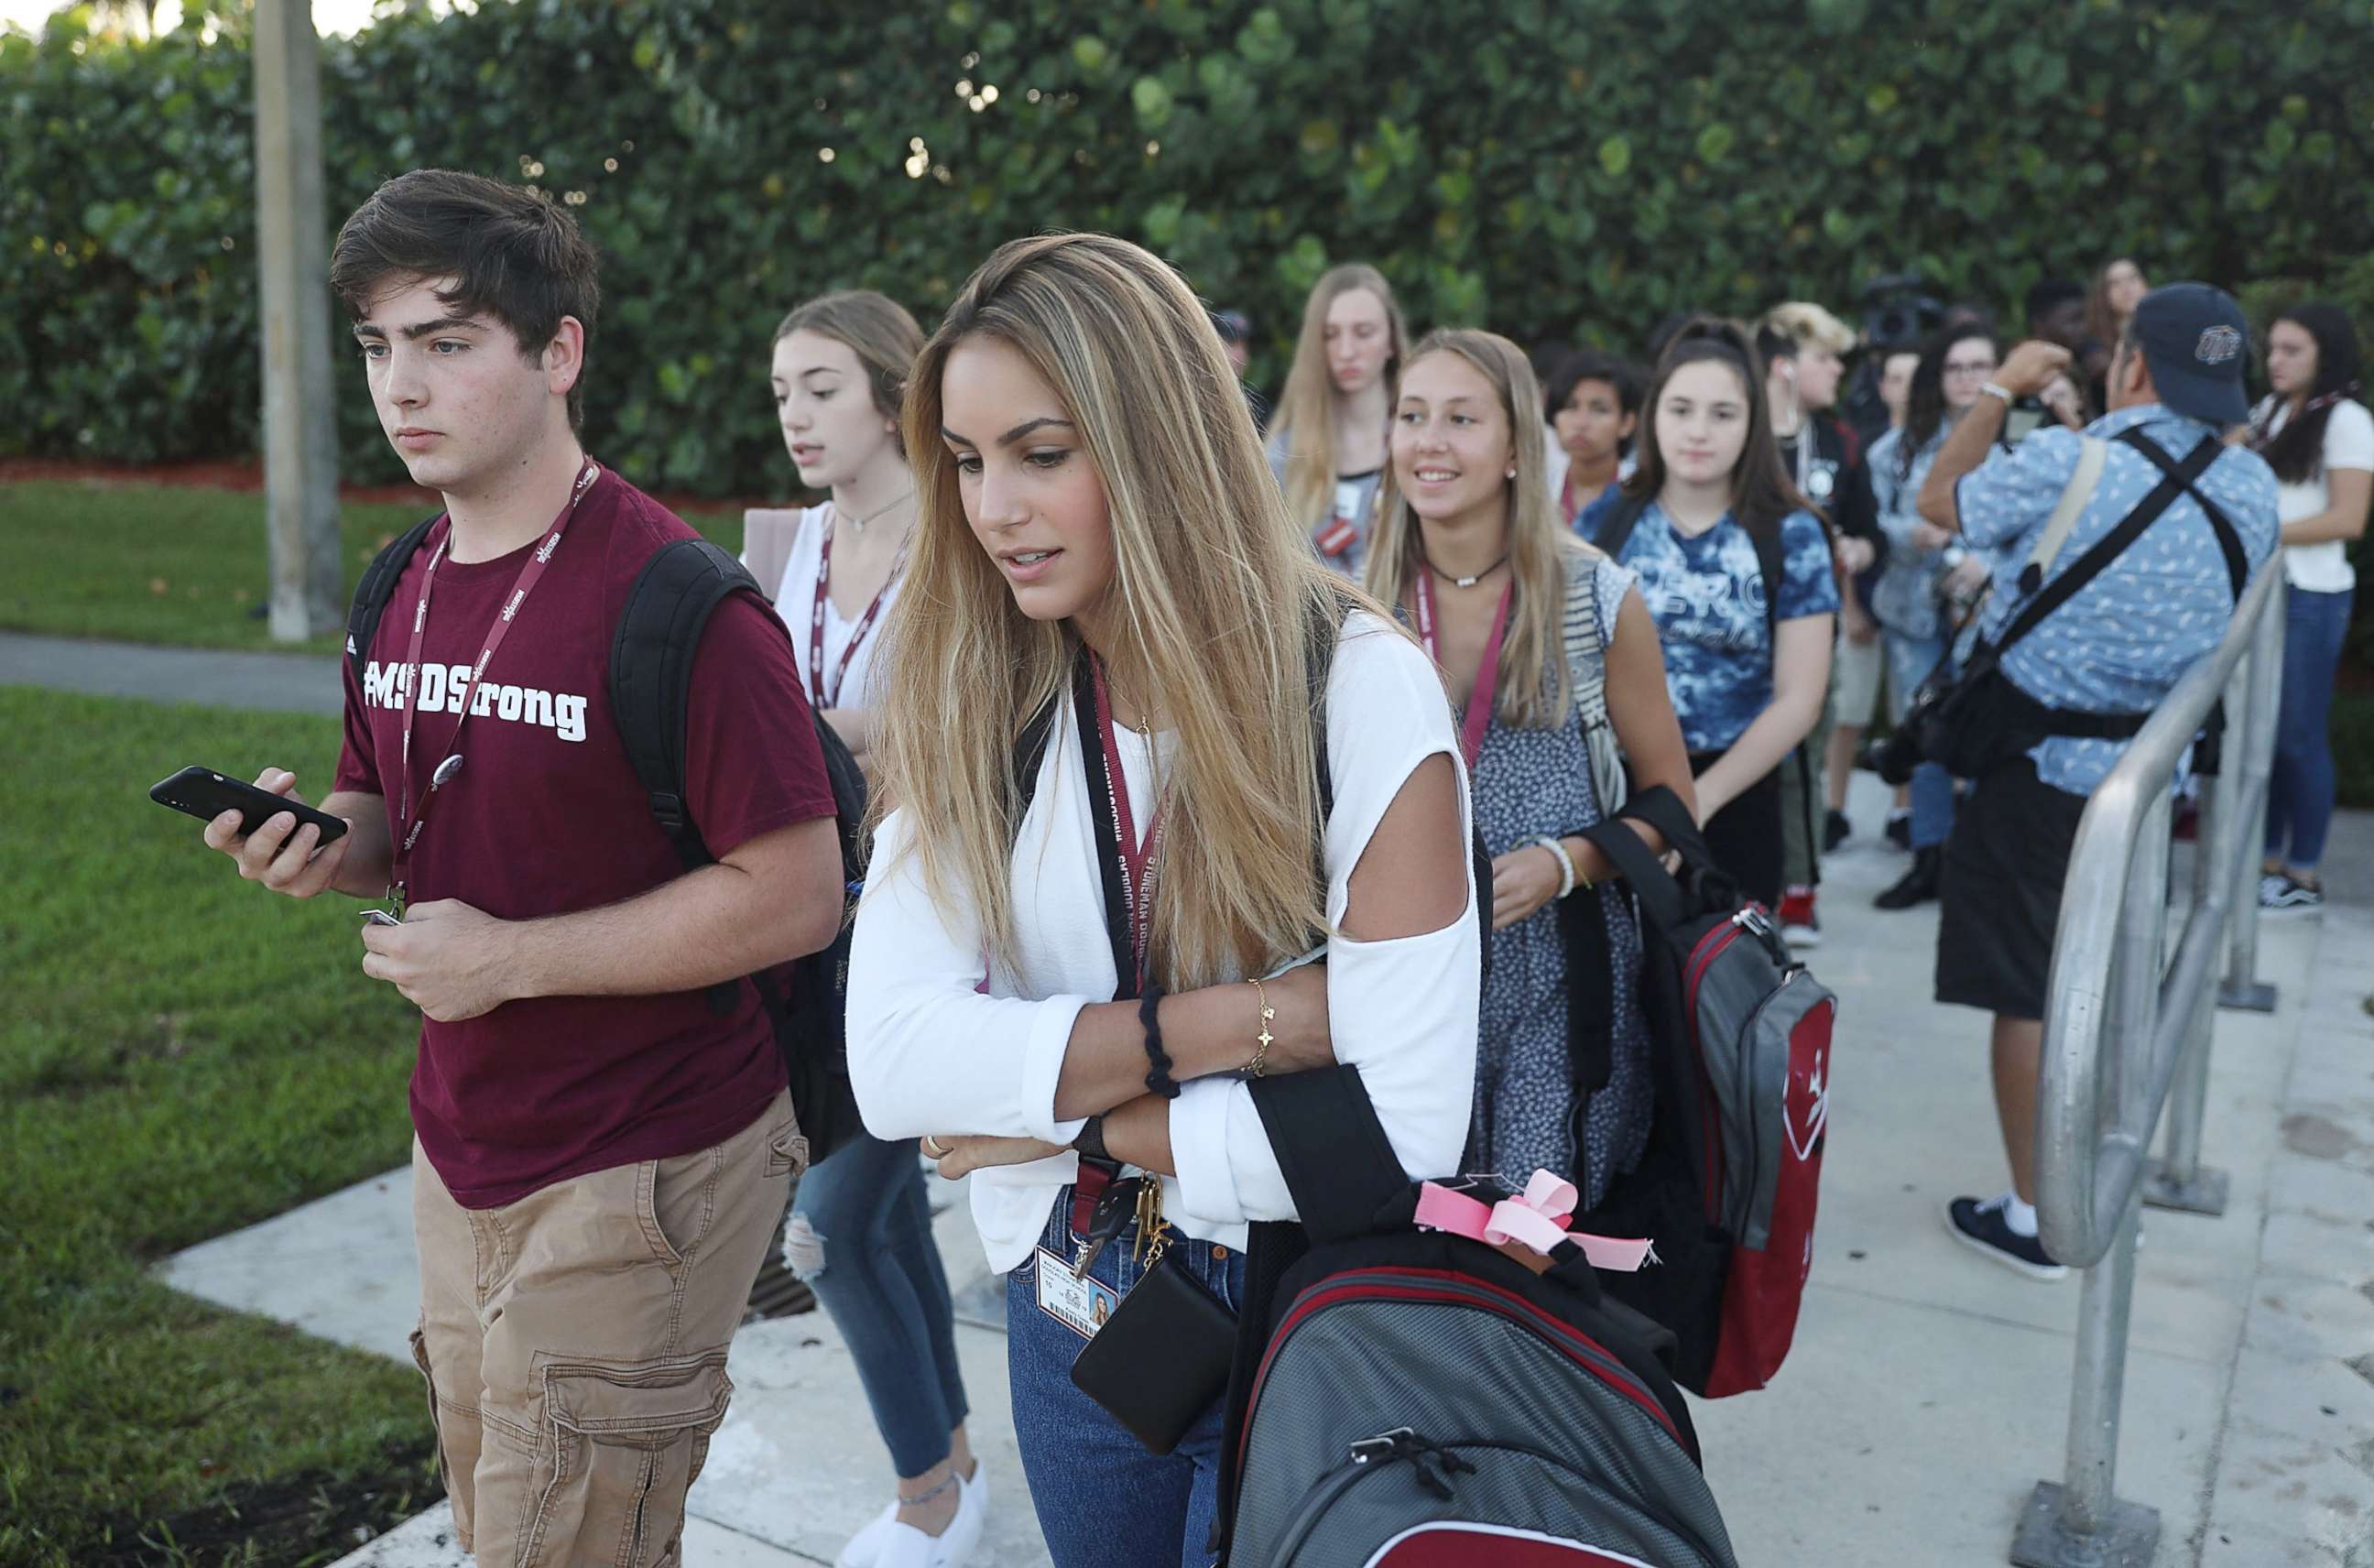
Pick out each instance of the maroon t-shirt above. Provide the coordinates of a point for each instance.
(546, 817)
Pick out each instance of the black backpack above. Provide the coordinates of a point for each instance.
(652, 654)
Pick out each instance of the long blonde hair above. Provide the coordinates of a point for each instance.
(1214, 595)
(1306, 409)
(1540, 546)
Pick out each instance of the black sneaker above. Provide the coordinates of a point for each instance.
(1899, 829)
(1978, 1225)
(1836, 830)
(1917, 886)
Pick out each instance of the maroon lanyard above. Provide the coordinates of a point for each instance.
(1487, 674)
(1140, 864)
(817, 695)
(411, 817)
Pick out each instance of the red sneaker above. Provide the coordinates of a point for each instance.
(1800, 927)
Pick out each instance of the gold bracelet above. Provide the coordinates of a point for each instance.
(1262, 1042)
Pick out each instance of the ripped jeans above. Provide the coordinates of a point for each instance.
(861, 1235)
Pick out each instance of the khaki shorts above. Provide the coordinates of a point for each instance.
(1860, 667)
(574, 1344)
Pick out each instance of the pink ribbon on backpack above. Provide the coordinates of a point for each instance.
(1535, 1217)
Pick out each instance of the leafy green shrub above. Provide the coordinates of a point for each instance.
(1559, 169)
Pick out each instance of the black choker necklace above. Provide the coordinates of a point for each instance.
(1463, 582)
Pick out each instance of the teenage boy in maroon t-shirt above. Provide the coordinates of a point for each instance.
(601, 1159)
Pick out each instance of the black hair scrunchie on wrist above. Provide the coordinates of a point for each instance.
(1158, 1077)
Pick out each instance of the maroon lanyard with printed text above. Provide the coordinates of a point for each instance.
(820, 697)
(411, 815)
(1487, 674)
(1140, 866)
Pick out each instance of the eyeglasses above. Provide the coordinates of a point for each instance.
(1982, 368)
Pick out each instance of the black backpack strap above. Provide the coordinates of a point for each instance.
(1771, 565)
(1662, 899)
(2238, 560)
(2105, 550)
(1616, 532)
(1030, 755)
(377, 586)
(652, 654)
(1331, 1151)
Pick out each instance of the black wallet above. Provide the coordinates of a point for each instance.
(1163, 1358)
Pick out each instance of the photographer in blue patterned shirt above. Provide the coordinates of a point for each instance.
(2100, 660)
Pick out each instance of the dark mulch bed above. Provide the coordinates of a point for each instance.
(297, 1521)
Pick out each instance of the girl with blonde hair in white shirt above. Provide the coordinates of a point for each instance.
(1100, 543)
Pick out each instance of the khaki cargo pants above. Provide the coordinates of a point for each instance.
(574, 1343)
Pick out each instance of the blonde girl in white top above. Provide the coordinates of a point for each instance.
(1095, 507)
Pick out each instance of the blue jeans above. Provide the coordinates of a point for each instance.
(1103, 1501)
(2299, 795)
(880, 1277)
(1909, 660)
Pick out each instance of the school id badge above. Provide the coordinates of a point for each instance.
(1079, 1303)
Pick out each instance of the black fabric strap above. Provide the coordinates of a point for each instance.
(377, 586)
(1030, 755)
(1331, 1151)
(2237, 561)
(2109, 547)
(1660, 897)
(1617, 531)
(653, 651)
(1771, 563)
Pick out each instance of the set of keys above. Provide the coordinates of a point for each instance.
(1138, 1198)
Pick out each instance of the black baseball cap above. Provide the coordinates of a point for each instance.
(2196, 343)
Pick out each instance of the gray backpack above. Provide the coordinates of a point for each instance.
(1423, 1400)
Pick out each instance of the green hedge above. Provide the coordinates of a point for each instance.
(1561, 168)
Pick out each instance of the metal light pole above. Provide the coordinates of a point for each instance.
(301, 442)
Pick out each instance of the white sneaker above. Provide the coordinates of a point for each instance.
(895, 1545)
(964, 1531)
(864, 1547)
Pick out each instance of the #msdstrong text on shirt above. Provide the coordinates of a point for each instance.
(560, 712)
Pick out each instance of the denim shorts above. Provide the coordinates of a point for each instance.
(1103, 1501)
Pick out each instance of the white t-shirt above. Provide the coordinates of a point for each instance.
(2348, 444)
(932, 1051)
(796, 602)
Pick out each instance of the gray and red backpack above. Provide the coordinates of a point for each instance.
(1728, 1182)
(1408, 1397)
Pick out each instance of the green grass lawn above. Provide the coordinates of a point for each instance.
(181, 1055)
(184, 565)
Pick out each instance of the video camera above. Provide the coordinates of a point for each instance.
(1897, 312)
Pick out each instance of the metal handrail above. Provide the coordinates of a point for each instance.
(2076, 1207)
(2122, 1021)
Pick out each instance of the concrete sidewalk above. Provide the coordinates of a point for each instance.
(287, 683)
(1927, 1391)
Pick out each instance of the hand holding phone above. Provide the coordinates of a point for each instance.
(244, 822)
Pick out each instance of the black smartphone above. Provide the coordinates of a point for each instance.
(206, 794)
